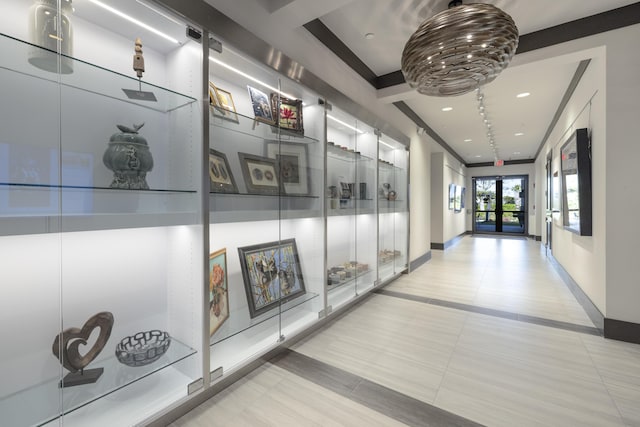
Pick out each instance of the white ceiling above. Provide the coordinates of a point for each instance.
(393, 21)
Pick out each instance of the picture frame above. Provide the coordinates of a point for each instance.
(272, 274)
(221, 104)
(220, 176)
(218, 290)
(452, 196)
(225, 101)
(575, 162)
(462, 197)
(287, 113)
(261, 104)
(293, 164)
(260, 174)
(457, 199)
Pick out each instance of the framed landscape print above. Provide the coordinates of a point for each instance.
(288, 113)
(293, 164)
(576, 183)
(452, 196)
(261, 106)
(220, 176)
(272, 274)
(218, 290)
(457, 199)
(260, 174)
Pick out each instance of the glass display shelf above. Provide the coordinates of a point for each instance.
(42, 403)
(240, 322)
(342, 153)
(88, 77)
(390, 167)
(224, 120)
(333, 287)
(35, 209)
(242, 207)
(363, 207)
(391, 206)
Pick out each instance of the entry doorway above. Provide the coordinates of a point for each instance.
(500, 204)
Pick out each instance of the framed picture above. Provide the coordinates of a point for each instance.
(225, 101)
(576, 183)
(464, 193)
(218, 290)
(220, 175)
(457, 199)
(293, 164)
(261, 106)
(224, 110)
(288, 113)
(452, 196)
(260, 174)
(272, 274)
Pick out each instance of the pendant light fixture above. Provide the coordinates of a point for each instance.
(460, 49)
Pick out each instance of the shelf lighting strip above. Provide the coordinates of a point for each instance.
(134, 20)
(388, 145)
(344, 124)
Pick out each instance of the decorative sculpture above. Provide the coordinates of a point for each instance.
(66, 349)
(138, 59)
(129, 158)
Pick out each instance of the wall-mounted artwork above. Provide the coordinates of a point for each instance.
(452, 196)
(288, 113)
(218, 290)
(272, 274)
(457, 199)
(576, 183)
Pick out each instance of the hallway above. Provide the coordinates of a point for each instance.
(485, 333)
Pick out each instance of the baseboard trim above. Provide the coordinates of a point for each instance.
(583, 299)
(621, 330)
(422, 259)
(448, 244)
(538, 238)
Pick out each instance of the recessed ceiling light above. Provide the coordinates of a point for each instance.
(516, 152)
(519, 134)
(523, 95)
(468, 140)
(478, 156)
(447, 109)
(369, 36)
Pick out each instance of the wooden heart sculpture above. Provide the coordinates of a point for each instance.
(67, 344)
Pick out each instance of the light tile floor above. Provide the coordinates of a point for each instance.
(490, 370)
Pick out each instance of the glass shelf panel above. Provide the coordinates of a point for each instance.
(338, 153)
(89, 77)
(40, 404)
(239, 323)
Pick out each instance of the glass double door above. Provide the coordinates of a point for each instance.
(500, 204)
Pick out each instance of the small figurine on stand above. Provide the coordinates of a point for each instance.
(138, 59)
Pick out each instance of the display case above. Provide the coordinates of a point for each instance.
(351, 207)
(393, 208)
(266, 207)
(99, 216)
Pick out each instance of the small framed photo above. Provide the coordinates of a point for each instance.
(272, 274)
(220, 176)
(225, 100)
(260, 174)
(214, 104)
(452, 196)
(218, 290)
(293, 164)
(261, 106)
(288, 113)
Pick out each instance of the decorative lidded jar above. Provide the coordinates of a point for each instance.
(129, 158)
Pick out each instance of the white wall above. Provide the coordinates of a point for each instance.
(419, 196)
(445, 223)
(605, 265)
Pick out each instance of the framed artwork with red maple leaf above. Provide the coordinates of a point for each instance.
(288, 113)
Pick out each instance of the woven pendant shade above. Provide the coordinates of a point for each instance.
(459, 50)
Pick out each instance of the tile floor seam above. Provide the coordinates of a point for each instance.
(604, 383)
